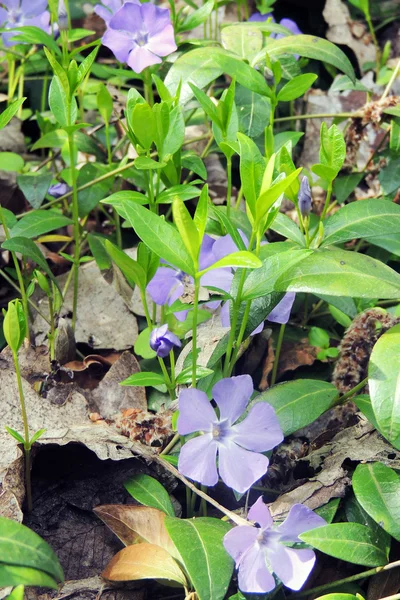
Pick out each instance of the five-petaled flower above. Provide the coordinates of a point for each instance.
(140, 34)
(22, 13)
(239, 445)
(162, 341)
(261, 551)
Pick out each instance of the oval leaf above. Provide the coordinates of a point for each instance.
(38, 222)
(144, 379)
(143, 561)
(12, 575)
(384, 384)
(150, 492)
(243, 258)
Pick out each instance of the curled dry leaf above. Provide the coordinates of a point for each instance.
(137, 524)
(143, 561)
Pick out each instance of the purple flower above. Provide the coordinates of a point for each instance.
(259, 551)
(238, 445)
(169, 283)
(162, 341)
(21, 13)
(108, 8)
(58, 189)
(139, 34)
(305, 197)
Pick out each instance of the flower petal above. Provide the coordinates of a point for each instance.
(10, 4)
(140, 58)
(197, 460)
(260, 513)
(163, 42)
(127, 19)
(219, 278)
(165, 285)
(239, 468)
(155, 19)
(290, 565)
(103, 12)
(119, 42)
(300, 519)
(3, 16)
(254, 576)
(224, 315)
(281, 312)
(291, 25)
(239, 540)
(260, 430)
(207, 257)
(232, 395)
(33, 8)
(195, 412)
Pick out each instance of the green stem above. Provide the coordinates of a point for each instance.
(277, 353)
(21, 284)
(342, 399)
(391, 82)
(148, 87)
(27, 445)
(172, 368)
(21, 88)
(229, 188)
(171, 444)
(350, 579)
(194, 336)
(327, 200)
(76, 227)
(52, 335)
(343, 115)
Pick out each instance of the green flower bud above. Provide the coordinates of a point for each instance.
(42, 282)
(14, 325)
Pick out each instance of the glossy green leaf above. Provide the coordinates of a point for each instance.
(105, 103)
(10, 161)
(126, 196)
(131, 269)
(384, 384)
(97, 248)
(142, 344)
(10, 111)
(344, 185)
(363, 403)
(34, 186)
(351, 542)
(252, 168)
(35, 35)
(253, 111)
(64, 113)
(339, 273)
(242, 40)
(28, 248)
(184, 192)
(199, 542)
(243, 258)
(150, 492)
(185, 376)
(296, 87)
(38, 222)
(144, 379)
(143, 125)
(361, 220)
(17, 593)
(311, 47)
(329, 510)
(287, 228)
(299, 403)
(197, 17)
(377, 489)
(187, 229)
(163, 239)
(14, 575)
(271, 195)
(22, 547)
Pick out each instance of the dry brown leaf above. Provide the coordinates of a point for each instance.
(381, 585)
(143, 561)
(135, 524)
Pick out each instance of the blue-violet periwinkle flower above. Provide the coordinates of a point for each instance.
(162, 341)
(108, 8)
(261, 551)
(238, 445)
(58, 189)
(304, 197)
(16, 13)
(140, 34)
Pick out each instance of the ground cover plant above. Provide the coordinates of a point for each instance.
(200, 242)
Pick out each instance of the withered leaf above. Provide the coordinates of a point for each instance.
(143, 561)
(137, 524)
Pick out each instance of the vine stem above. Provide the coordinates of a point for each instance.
(356, 577)
(27, 445)
(194, 337)
(391, 81)
(75, 218)
(327, 200)
(344, 115)
(341, 399)
(277, 353)
(229, 187)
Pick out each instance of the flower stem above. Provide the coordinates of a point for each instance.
(194, 336)
(357, 388)
(391, 82)
(27, 445)
(277, 353)
(344, 115)
(229, 188)
(75, 218)
(327, 200)
(148, 87)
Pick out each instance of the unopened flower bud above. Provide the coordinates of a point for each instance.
(162, 341)
(14, 325)
(305, 198)
(58, 189)
(62, 16)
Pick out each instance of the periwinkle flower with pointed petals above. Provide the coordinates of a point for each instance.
(162, 341)
(261, 551)
(140, 34)
(238, 445)
(58, 189)
(108, 8)
(21, 13)
(305, 197)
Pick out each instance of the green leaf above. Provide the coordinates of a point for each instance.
(296, 87)
(310, 47)
(28, 248)
(333, 147)
(384, 384)
(34, 186)
(143, 124)
(144, 379)
(17, 593)
(21, 547)
(52, 139)
(182, 191)
(201, 213)
(328, 511)
(344, 185)
(60, 72)
(287, 228)
(10, 161)
(131, 269)
(253, 111)
(198, 17)
(199, 542)
(10, 111)
(187, 229)
(89, 198)
(150, 492)
(13, 575)
(394, 136)
(271, 195)
(35, 35)
(318, 337)
(252, 167)
(204, 65)
(377, 489)
(127, 196)
(351, 542)
(144, 163)
(97, 248)
(86, 65)
(185, 376)
(364, 219)
(207, 105)
(105, 103)
(363, 402)
(17, 436)
(243, 258)
(299, 403)
(64, 113)
(163, 239)
(339, 273)
(38, 222)
(142, 344)
(242, 40)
